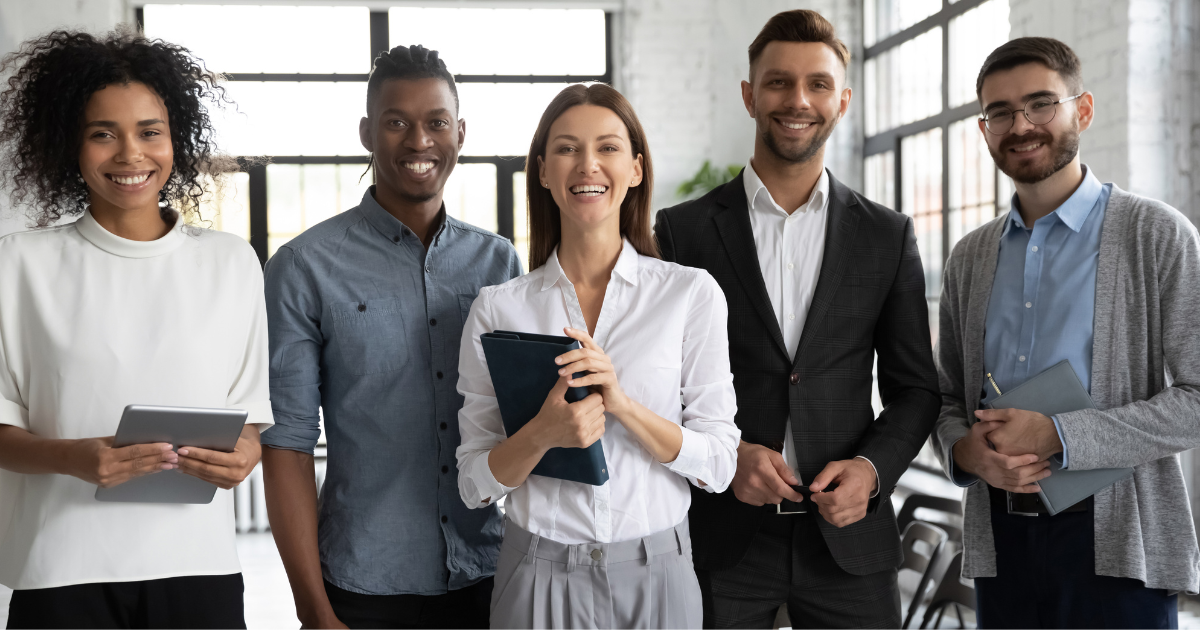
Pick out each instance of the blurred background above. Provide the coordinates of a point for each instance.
(297, 71)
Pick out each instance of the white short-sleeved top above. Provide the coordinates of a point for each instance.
(91, 322)
(664, 327)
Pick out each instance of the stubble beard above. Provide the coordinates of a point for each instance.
(799, 154)
(1063, 150)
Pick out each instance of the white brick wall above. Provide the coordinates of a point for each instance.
(682, 66)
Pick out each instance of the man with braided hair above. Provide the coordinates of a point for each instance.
(366, 312)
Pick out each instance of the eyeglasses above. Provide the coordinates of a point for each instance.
(1038, 111)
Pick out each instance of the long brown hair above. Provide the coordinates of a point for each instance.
(545, 222)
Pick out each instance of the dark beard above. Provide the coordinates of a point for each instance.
(1063, 150)
(415, 198)
(802, 154)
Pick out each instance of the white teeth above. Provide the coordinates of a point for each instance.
(1027, 148)
(129, 181)
(591, 190)
(795, 125)
(418, 167)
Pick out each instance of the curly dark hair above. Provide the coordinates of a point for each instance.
(52, 79)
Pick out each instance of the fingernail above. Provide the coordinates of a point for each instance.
(558, 359)
(183, 451)
(570, 382)
(561, 372)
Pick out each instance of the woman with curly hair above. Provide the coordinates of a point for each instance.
(127, 305)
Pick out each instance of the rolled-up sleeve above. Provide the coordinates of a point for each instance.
(294, 331)
(710, 437)
(479, 422)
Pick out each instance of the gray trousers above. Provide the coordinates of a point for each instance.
(644, 583)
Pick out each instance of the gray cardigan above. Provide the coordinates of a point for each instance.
(1145, 381)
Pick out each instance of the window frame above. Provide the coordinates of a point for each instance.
(892, 139)
(506, 165)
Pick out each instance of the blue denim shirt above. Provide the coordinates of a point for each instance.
(366, 325)
(1043, 298)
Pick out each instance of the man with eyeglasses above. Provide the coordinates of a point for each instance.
(1109, 281)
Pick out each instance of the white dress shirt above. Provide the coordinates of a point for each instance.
(790, 247)
(664, 327)
(91, 322)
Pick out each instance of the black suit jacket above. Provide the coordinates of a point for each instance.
(870, 298)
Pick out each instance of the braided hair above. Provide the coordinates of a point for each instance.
(408, 62)
(52, 79)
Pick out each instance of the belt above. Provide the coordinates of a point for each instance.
(1022, 504)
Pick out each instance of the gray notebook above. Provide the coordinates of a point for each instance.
(1058, 390)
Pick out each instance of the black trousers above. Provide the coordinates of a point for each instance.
(789, 563)
(1046, 578)
(199, 601)
(465, 608)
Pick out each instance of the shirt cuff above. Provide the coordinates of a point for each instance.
(490, 491)
(13, 414)
(259, 414)
(1063, 455)
(877, 488)
(692, 459)
(957, 476)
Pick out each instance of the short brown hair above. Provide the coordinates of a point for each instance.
(545, 222)
(1049, 52)
(799, 25)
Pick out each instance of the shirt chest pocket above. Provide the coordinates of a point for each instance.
(371, 336)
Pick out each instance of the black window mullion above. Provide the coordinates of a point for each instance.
(946, 122)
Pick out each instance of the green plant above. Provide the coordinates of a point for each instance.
(706, 179)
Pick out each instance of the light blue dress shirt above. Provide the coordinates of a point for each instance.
(1043, 298)
(366, 324)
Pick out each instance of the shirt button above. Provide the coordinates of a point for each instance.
(445, 469)
(395, 239)
(790, 265)
(433, 322)
(1021, 358)
(597, 554)
(1029, 305)
(428, 269)
(795, 378)
(439, 375)
(362, 307)
(443, 426)
(1035, 248)
(445, 519)
(791, 316)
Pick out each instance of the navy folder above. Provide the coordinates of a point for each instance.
(523, 373)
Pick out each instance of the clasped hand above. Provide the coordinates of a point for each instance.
(580, 424)
(763, 478)
(1009, 449)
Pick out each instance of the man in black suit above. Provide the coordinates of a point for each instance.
(819, 281)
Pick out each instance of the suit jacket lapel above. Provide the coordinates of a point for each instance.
(840, 227)
(733, 224)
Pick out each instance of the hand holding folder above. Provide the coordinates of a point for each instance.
(523, 373)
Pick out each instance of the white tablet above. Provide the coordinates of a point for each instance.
(213, 429)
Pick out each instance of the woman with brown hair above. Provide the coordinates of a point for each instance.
(619, 554)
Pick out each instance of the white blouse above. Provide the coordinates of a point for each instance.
(91, 322)
(664, 327)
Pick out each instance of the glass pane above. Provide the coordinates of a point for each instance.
(227, 206)
(883, 18)
(521, 219)
(904, 84)
(274, 118)
(921, 198)
(301, 196)
(972, 180)
(505, 41)
(470, 195)
(973, 36)
(267, 39)
(501, 117)
(879, 172)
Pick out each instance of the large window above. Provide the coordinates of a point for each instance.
(924, 154)
(300, 89)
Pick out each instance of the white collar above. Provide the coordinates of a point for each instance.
(817, 201)
(95, 233)
(627, 266)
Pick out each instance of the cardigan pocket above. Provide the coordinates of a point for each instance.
(371, 335)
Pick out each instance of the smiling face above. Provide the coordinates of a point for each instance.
(125, 154)
(415, 134)
(796, 98)
(589, 166)
(1030, 153)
